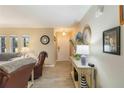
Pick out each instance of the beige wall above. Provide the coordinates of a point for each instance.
(110, 68)
(35, 45)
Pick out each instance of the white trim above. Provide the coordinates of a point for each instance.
(13, 36)
(26, 36)
(49, 65)
(62, 60)
(3, 35)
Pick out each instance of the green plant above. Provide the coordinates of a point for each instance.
(77, 56)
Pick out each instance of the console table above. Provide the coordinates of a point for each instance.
(82, 70)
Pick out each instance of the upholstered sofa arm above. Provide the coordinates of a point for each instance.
(11, 66)
(15, 74)
(3, 78)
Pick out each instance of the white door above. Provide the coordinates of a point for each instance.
(62, 46)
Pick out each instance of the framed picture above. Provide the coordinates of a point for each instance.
(121, 8)
(111, 41)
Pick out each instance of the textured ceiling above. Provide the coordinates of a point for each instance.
(41, 15)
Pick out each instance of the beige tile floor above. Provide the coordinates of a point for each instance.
(55, 77)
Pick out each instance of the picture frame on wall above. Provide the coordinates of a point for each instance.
(121, 9)
(111, 41)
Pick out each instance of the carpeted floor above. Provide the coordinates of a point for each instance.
(55, 77)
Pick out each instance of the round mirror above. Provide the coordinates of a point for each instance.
(86, 35)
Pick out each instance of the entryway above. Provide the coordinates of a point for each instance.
(63, 48)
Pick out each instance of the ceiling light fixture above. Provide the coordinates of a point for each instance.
(63, 33)
(99, 10)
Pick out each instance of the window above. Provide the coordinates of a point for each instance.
(25, 41)
(2, 44)
(14, 44)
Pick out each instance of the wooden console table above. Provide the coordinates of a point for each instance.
(85, 70)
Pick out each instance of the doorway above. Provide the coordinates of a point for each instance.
(63, 47)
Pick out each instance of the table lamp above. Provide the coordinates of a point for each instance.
(25, 51)
(83, 50)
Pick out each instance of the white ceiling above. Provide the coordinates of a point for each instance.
(41, 15)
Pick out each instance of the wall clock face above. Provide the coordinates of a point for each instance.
(44, 39)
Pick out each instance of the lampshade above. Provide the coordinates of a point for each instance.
(82, 49)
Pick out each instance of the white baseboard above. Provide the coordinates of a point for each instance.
(49, 65)
(62, 60)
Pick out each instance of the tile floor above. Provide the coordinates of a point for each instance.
(55, 77)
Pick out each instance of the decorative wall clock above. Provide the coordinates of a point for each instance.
(45, 39)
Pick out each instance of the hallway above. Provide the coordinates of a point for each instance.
(55, 77)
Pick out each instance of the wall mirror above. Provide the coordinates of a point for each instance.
(86, 35)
